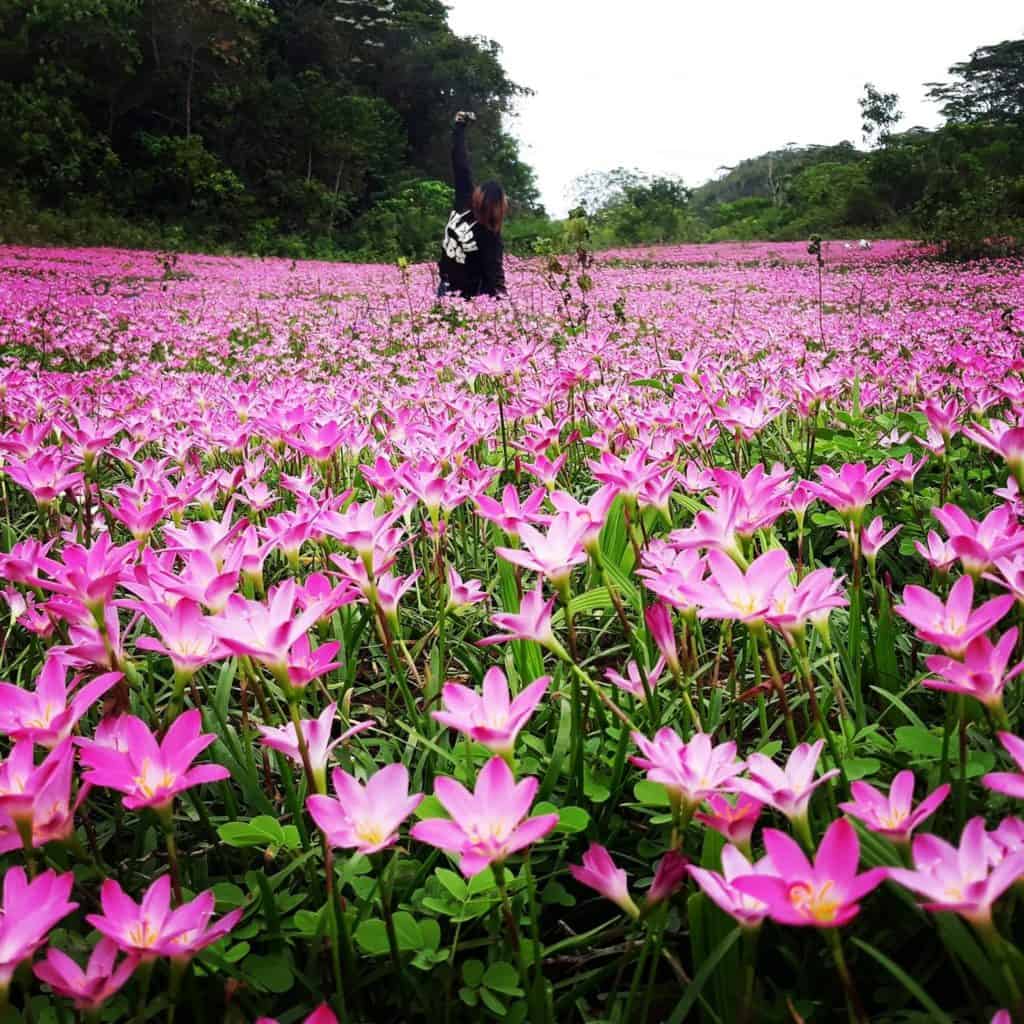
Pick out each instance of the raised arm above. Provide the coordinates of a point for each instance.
(460, 165)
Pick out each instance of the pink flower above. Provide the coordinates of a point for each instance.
(1009, 783)
(851, 489)
(892, 816)
(633, 685)
(959, 880)
(659, 624)
(365, 818)
(36, 799)
(90, 575)
(811, 600)
(151, 774)
(1002, 439)
(873, 538)
(510, 515)
(266, 632)
(90, 988)
(747, 910)
(982, 674)
(463, 593)
(626, 478)
(150, 928)
(735, 821)
(668, 877)
(951, 625)
(729, 593)
(691, 772)
(306, 663)
(44, 715)
(317, 732)
(46, 475)
(592, 515)
(321, 1015)
(823, 895)
(531, 622)
(30, 911)
(487, 825)
(599, 872)
(979, 544)
(491, 718)
(553, 554)
(788, 790)
(186, 636)
(939, 553)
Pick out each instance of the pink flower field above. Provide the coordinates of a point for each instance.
(641, 648)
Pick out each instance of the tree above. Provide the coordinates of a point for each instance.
(879, 113)
(988, 87)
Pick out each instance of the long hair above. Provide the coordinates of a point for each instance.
(490, 204)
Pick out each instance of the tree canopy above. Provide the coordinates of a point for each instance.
(264, 118)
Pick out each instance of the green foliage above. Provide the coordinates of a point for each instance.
(299, 127)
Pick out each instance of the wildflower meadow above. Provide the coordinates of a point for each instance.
(641, 648)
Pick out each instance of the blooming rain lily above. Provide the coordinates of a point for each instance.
(691, 772)
(1009, 783)
(788, 789)
(531, 622)
(893, 816)
(44, 715)
(317, 732)
(874, 537)
(30, 910)
(952, 624)
(734, 820)
(35, 800)
(960, 880)
(746, 910)
(148, 773)
(824, 894)
(552, 554)
(730, 593)
(632, 683)
(491, 717)
(91, 988)
(463, 593)
(851, 489)
(367, 817)
(266, 631)
(150, 928)
(982, 674)
(487, 826)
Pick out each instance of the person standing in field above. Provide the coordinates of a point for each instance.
(472, 253)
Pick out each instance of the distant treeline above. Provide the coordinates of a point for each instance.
(319, 128)
(303, 127)
(960, 186)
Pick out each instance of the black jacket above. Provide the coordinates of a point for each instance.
(472, 257)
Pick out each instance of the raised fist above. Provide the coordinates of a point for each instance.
(464, 116)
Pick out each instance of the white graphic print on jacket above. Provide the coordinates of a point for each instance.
(458, 237)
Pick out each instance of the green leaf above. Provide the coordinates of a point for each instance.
(454, 883)
(473, 972)
(502, 977)
(492, 1002)
(651, 794)
(372, 937)
(919, 741)
(270, 973)
(861, 767)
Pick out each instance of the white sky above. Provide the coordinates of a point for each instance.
(678, 87)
